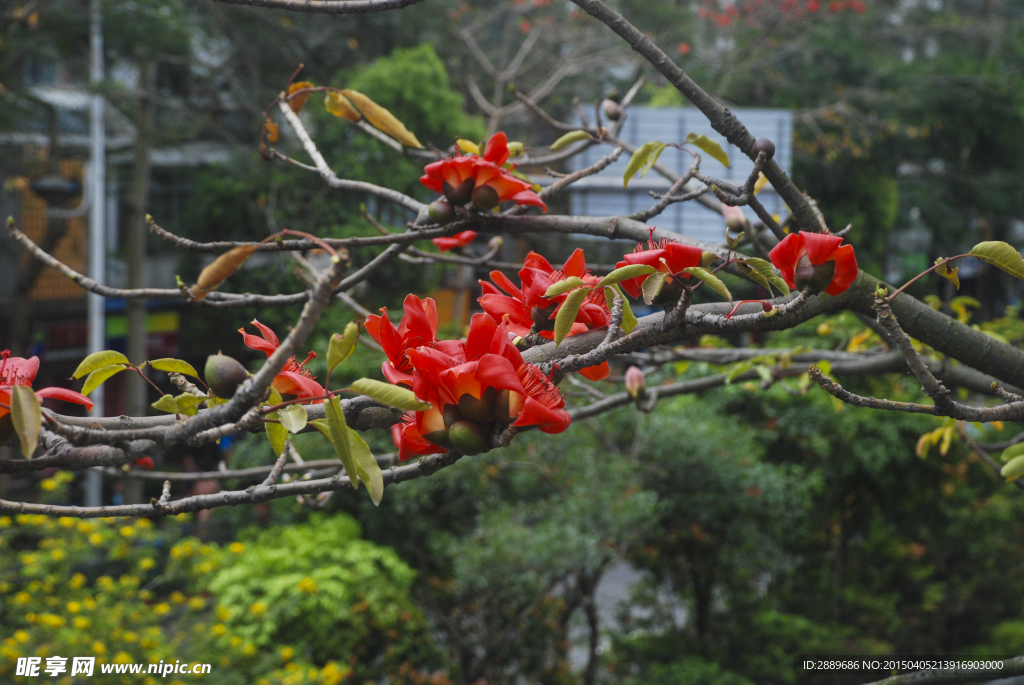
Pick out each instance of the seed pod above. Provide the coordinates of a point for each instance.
(224, 375)
(468, 437)
(441, 212)
(485, 198)
(611, 109)
(478, 410)
(439, 438)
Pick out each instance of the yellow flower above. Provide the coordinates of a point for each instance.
(127, 531)
(66, 521)
(248, 649)
(99, 648)
(308, 585)
(177, 597)
(220, 630)
(84, 527)
(145, 595)
(235, 641)
(21, 636)
(51, 620)
(144, 523)
(5, 521)
(287, 653)
(161, 609)
(236, 547)
(196, 604)
(258, 608)
(77, 581)
(48, 484)
(22, 598)
(74, 607)
(147, 563)
(95, 539)
(81, 623)
(57, 554)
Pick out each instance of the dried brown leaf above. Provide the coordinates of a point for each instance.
(297, 102)
(382, 119)
(212, 276)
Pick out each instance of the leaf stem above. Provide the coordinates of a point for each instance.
(927, 271)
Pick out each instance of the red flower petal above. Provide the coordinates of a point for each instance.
(481, 332)
(596, 373)
(268, 334)
(682, 256)
(506, 284)
(65, 395)
(820, 246)
(497, 372)
(547, 419)
(576, 264)
(787, 253)
(257, 343)
(846, 270)
(497, 149)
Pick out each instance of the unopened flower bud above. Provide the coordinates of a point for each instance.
(495, 243)
(611, 109)
(441, 212)
(734, 218)
(769, 309)
(813, 279)
(485, 197)
(224, 375)
(766, 145)
(636, 384)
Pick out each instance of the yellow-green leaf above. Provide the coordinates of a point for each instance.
(382, 119)
(467, 146)
(624, 273)
(645, 157)
(293, 417)
(568, 139)
(1013, 451)
(341, 347)
(276, 433)
(942, 269)
(709, 146)
(1014, 469)
(100, 376)
(174, 366)
(564, 286)
(337, 431)
(629, 320)
(391, 395)
(713, 281)
(765, 270)
(567, 313)
(761, 182)
(27, 417)
(1001, 255)
(652, 286)
(339, 106)
(366, 466)
(184, 403)
(98, 360)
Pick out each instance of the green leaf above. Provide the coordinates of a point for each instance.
(942, 269)
(709, 146)
(27, 416)
(645, 157)
(337, 432)
(736, 370)
(568, 139)
(1001, 255)
(712, 280)
(100, 376)
(765, 270)
(652, 285)
(174, 366)
(629, 320)
(1013, 451)
(825, 366)
(276, 433)
(366, 466)
(391, 395)
(1014, 469)
(564, 286)
(624, 273)
(567, 313)
(764, 372)
(341, 347)
(293, 417)
(98, 360)
(181, 404)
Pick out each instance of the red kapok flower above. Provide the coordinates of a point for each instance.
(527, 306)
(294, 380)
(458, 240)
(665, 256)
(418, 328)
(21, 371)
(814, 262)
(476, 387)
(482, 179)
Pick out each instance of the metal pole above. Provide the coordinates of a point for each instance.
(97, 224)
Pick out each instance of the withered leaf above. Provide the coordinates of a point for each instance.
(271, 131)
(297, 102)
(212, 276)
(382, 119)
(339, 106)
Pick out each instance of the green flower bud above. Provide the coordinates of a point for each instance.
(441, 212)
(224, 375)
(485, 197)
